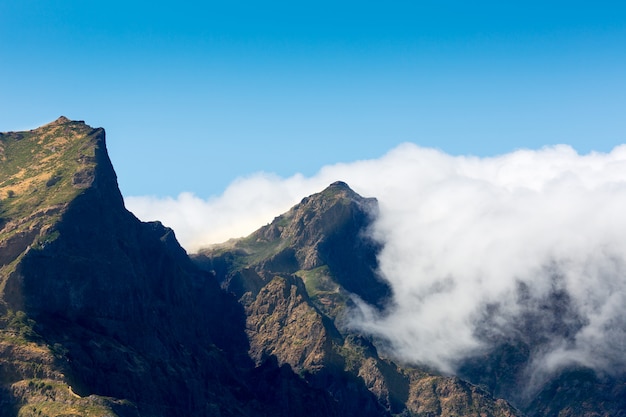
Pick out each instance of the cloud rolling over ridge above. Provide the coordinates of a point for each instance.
(530, 243)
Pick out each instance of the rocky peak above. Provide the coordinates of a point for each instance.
(310, 224)
(61, 120)
(42, 171)
(328, 230)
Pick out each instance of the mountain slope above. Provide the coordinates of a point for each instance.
(297, 278)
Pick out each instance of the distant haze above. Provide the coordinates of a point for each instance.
(471, 245)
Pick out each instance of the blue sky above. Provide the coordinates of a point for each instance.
(196, 94)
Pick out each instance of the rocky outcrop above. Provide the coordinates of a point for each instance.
(281, 323)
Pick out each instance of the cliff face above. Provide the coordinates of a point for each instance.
(101, 314)
(296, 279)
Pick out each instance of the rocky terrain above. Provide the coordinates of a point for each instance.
(103, 315)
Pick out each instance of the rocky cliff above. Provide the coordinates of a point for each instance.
(101, 314)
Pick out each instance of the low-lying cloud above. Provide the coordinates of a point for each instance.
(530, 243)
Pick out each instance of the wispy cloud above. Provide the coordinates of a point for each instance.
(474, 248)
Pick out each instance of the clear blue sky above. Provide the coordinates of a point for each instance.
(196, 94)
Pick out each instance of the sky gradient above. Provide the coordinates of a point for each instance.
(194, 95)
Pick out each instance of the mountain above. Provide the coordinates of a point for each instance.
(324, 233)
(104, 315)
(101, 314)
(298, 278)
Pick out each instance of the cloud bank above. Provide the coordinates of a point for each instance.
(531, 244)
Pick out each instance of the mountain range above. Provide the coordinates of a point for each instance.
(104, 315)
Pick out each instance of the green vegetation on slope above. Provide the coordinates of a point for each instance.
(41, 170)
(328, 296)
(50, 398)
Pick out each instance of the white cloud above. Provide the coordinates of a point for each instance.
(461, 236)
(247, 204)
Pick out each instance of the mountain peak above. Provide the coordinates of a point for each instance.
(43, 171)
(340, 188)
(340, 185)
(337, 192)
(60, 120)
(325, 231)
